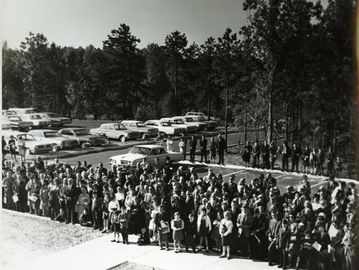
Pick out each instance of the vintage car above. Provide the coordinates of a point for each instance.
(189, 120)
(15, 122)
(140, 127)
(211, 124)
(32, 144)
(51, 135)
(165, 128)
(196, 115)
(83, 137)
(177, 122)
(56, 120)
(150, 152)
(20, 111)
(116, 131)
(36, 119)
(8, 112)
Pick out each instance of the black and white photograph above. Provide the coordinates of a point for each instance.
(179, 134)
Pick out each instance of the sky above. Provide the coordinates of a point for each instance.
(84, 22)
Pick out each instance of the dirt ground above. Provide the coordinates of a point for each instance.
(26, 237)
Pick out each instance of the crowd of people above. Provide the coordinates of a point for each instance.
(308, 160)
(251, 218)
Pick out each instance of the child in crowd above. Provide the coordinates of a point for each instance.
(216, 237)
(124, 219)
(85, 218)
(105, 213)
(177, 225)
(115, 220)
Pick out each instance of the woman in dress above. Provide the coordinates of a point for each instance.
(177, 225)
(225, 230)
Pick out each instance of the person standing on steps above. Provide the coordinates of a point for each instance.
(193, 145)
(203, 144)
(221, 147)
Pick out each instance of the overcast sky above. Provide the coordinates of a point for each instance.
(83, 22)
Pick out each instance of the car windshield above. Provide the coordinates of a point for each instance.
(178, 122)
(35, 116)
(189, 119)
(14, 118)
(50, 134)
(140, 124)
(166, 124)
(140, 150)
(81, 132)
(201, 118)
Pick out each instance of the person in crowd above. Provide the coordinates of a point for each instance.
(213, 150)
(296, 154)
(322, 222)
(215, 234)
(8, 193)
(273, 153)
(83, 202)
(169, 144)
(12, 147)
(177, 226)
(246, 155)
(204, 226)
(124, 220)
(203, 145)
(313, 161)
(182, 145)
(256, 154)
(21, 148)
(286, 152)
(265, 155)
(330, 157)
(115, 220)
(225, 230)
(221, 148)
(193, 146)
(306, 162)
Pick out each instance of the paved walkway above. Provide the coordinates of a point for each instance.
(101, 254)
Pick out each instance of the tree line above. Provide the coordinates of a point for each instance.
(290, 69)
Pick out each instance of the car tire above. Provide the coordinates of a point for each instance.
(122, 138)
(83, 145)
(143, 136)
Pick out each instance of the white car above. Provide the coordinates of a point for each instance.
(140, 127)
(33, 145)
(190, 121)
(51, 135)
(197, 115)
(178, 122)
(137, 153)
(165, 128)
(115, 131)
(56, 120)
(15, 122)
(20, 111)
(36, 119)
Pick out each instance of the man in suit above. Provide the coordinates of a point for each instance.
(244, 224)
(192, 145)
(203, 144)
(221, 146)
(296, 153)
(71, 195)
(283, 243)
(272, 233)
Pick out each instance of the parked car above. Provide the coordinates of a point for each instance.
(196, 115)
(211, 124)
(8, 112)
(56, 120)
(36, 119)
(165, 128)
(51, 135)
(116, 131)
(33, 145)
(190, 121)
(83, 137)
(20, 111)
(139, 152)
(140, 127)
(15, 122)
(177, 122)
